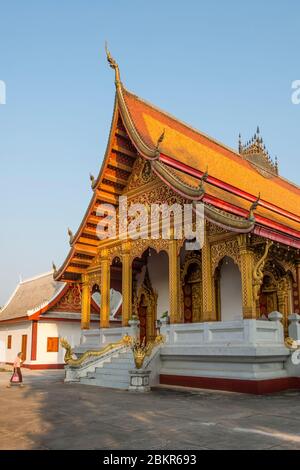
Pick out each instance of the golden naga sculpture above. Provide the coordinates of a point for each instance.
(290, 343)
(113, 64)
(253, 208)
(141, 350)
(258, 270)
(70, 360)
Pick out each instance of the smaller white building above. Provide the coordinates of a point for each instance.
(39, 312)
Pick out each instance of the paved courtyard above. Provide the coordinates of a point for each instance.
(48, 414)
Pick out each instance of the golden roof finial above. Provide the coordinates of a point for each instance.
(253, 207)
(113, 64)
(256, 153)
(159, 141)
(240, 143)
(70, 233)
(203, 178)
(276, 164)
(93, 181)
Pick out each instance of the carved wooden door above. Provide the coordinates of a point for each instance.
(143, 320)
(188, 303)
(192, 295)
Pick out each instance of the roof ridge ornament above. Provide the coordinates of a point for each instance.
(148, 152)
(255, 152)
(159, 141)
(253, 208)
(113, 64)
(54, 268)
(93, 181)
(70, 233)
(203, 178)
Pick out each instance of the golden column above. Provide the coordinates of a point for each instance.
(85, 302)
(105, 289)
(246, 267)
(207, 279)
(174, 281)
(126, 284)
(282, 295)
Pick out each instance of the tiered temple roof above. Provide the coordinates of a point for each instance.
(42, 295)
(195, 166)
(32, 296)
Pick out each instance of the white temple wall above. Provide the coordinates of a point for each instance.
(16, 331)
(69, 330)
(231, 291)
(158, 266)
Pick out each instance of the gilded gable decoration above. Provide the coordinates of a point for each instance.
(256, 153)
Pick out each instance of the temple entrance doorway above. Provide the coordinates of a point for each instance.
(191, 279)
(230, 290)
(146, 309)
(268, 301)
(143, 320)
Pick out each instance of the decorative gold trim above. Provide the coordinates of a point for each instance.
(197, 302)
(71, 361)
(173, 179)
(258, 270)
(228, 221)
(144, 149)
(224, 248)
(140, 350)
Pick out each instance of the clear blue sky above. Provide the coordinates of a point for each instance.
(223, 67)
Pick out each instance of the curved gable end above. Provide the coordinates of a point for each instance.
(31, 297)
(237, 193)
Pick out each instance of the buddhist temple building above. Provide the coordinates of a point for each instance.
(39, 312)
(224, 307)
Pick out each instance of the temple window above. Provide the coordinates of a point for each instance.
(9, 341)
(52, 344)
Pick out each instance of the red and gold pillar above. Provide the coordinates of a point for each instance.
(85, 303)
(126, 284)
(105, 289)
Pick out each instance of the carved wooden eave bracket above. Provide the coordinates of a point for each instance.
(144, 149)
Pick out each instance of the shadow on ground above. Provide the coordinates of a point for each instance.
(48, 414)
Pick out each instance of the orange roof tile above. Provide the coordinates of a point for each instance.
(198, 151)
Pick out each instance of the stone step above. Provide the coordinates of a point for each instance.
(122, 360)
(106, 382)
(114, 365)
(111, 373)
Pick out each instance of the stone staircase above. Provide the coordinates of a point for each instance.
(112, 372)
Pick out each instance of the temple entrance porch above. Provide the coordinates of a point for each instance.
(232, 277)
(206, 304)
